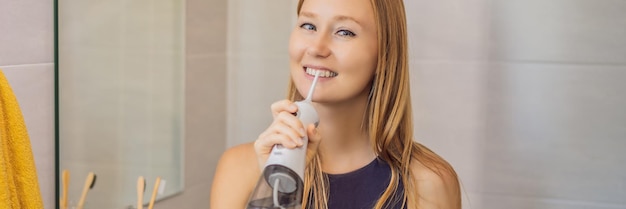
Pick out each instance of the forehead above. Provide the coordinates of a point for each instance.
(358, 10)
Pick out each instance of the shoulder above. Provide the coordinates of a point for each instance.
(235, 177)
(437, 185)
(239, 157)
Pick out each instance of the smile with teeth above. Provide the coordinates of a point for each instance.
(323, 73)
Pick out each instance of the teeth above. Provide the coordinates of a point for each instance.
(323, 73)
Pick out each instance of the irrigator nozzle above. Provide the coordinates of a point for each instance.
(308, 96)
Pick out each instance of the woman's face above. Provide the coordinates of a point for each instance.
(339, 39)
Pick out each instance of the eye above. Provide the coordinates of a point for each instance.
(308, 26)
(345, 33)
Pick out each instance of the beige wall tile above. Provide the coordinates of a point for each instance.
(206, 117)
(255, 82)
(205, 129)
(524, 202)
(556, 132)
(449, 116)
(206, 26)
(193, 197)
(205, 104)
(259, 27)
(448, 30)
(27, 32)
(572, 31)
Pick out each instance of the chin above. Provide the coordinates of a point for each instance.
(302, 95)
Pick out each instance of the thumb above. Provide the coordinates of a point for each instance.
(314, 141)
(314, 135)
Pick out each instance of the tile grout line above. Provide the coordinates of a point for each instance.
(23, 65)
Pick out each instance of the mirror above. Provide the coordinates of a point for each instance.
(121, 100)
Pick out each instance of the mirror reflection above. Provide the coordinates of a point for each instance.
(120, 100)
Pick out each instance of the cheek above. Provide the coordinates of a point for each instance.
(362, 60)
(362, 63)
(370, 61)
(296, 53)
(372, 53)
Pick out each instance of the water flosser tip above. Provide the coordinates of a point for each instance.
(310, 95)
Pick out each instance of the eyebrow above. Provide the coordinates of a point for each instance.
(339, 17)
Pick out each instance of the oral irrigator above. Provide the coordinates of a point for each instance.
(282, 181)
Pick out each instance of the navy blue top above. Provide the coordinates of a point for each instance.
(360, 189)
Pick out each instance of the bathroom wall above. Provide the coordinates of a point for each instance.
(521, 97)
(555, 105)
(258, 68)
(449, 72)
(27, 60)
(205, 104)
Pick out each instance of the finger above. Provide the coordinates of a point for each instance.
(283, 140)
(266, 133)
(314, 135)
(289, 132)
(291, 121)
(265, 145)
(272, 129)
(313, 144)
(283, 105)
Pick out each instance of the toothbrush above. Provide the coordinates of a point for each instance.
(66, 182)
(89, 183)
(154, 192)
(141, 187)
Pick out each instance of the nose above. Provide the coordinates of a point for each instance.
(319, 46)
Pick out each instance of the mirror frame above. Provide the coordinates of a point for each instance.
(56, 104)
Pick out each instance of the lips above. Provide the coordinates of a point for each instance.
(322, 72)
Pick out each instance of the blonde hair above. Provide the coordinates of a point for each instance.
(389, 117)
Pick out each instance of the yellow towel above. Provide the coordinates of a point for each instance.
(19, 188)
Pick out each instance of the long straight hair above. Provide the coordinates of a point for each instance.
(389, 117)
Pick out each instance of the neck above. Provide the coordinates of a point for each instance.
(345, 144)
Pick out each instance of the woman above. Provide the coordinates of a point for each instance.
(362, 153)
